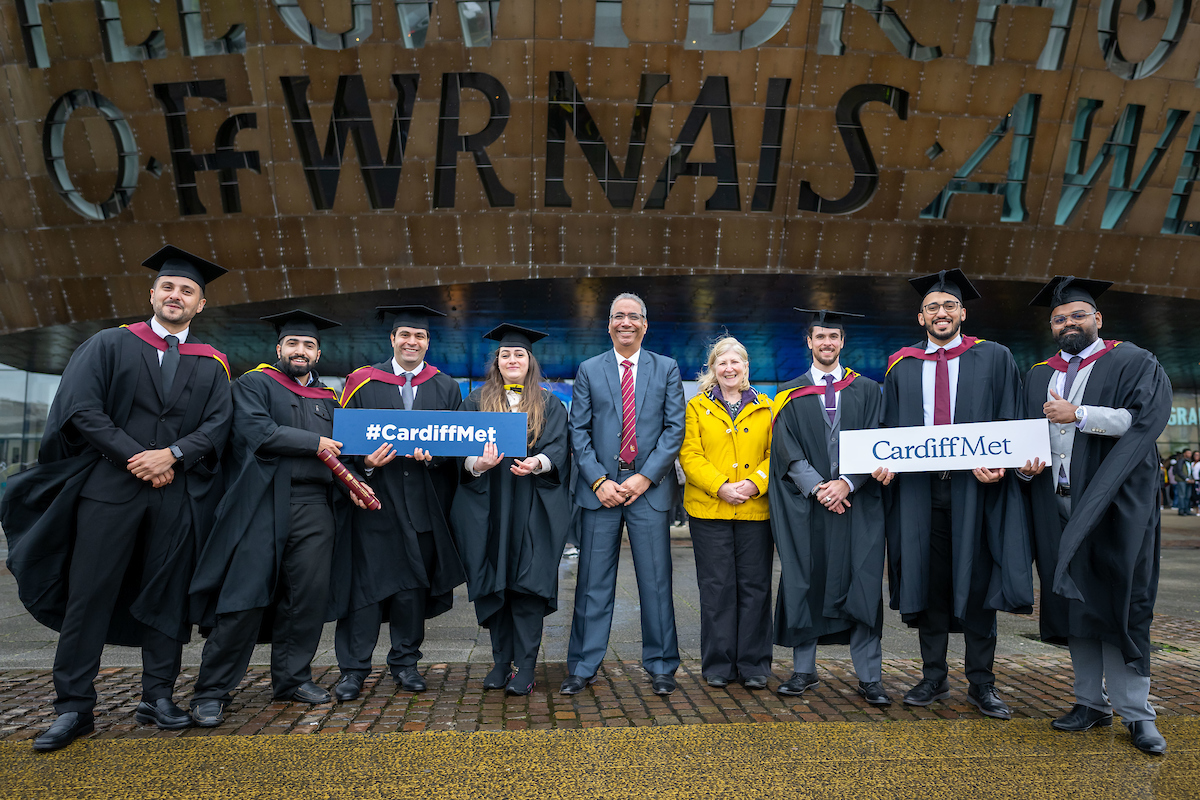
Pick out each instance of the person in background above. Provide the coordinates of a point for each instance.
(1183, 482)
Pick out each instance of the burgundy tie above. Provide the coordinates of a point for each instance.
(941, 390)
(628, 415)
(830, 399)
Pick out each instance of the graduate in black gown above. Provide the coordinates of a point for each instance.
(510, 516)
(958, 542)
(403, 563)
(828, 527)
(102, 532)
(1096, 518)
(276, 567)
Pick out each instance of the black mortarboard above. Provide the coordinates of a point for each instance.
(950, 281)
(1063, 289)
(172, 261)
(507, 335)
(407, 316)
(826, 318)
(299, 323)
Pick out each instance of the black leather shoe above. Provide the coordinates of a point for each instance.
(163, 713)
(1144, 735)
(521, 683)
(662, 683)
(925, 692)
(208, 713)
(987, 700)
(309, 692)
(873, 693)
(498, 677)
(574, 684)
(798, 684)
(717, 682)
(409, 680)
(69, 727)
(348, 687)
(1082, 718)
(755, 682)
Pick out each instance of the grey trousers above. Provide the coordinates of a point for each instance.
(866, 651)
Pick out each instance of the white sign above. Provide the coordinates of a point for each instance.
(938, 448)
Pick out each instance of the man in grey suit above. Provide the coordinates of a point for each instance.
(627, 416)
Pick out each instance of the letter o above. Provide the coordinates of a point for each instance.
(53, 134)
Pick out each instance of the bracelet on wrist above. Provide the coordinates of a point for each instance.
(599, 482)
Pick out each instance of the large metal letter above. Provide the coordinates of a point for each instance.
(451, 142)
(113, 35)
(770, 152)
(55, 157)
(609, 31)
(1106, 29)
(360, 29)
(1189, 172)
(194, 43)
(833, 13)
(476, 18)
(713, 105)
(702, 36)
(982, 51)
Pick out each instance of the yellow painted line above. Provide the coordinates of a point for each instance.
(860, 760)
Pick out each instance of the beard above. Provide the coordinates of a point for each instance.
(950, 334)
(294, 370)
(825, 359)
(1075, 340)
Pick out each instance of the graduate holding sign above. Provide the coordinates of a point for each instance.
(1095, 506)
(403, 565)
(958, 544)
(510, 515)
(102, 532)
(828, 527)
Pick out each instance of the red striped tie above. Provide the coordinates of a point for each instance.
(628, 415)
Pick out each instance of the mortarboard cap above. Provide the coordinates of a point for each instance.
(826, 318)
(1063, 289)
(407, 316)
(507, 335)
(950, 281)
(170, 260)
(299, 323)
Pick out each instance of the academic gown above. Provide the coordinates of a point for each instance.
(38, 508)
(1099, 576)
(511, 530)
(831, 565)
(238, 569)
(992, 550)
(386, 556)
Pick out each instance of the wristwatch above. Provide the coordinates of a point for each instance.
(1079, 413)
(175, 451)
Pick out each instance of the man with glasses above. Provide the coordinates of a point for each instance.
(958, 547)
(627, 418)
(1096, 519)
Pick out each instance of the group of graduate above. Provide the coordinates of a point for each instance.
(168, 496)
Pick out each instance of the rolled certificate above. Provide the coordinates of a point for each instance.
(356, 487)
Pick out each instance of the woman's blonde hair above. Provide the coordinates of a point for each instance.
(493, 398)
(708, 378)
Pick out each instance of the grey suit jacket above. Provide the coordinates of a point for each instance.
(595, 424)
(803, 474)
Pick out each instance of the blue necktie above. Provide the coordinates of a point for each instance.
(830, 398)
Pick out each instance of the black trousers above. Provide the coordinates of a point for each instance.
(934, 623)
(516, 630)
(358, 631)
(733, 570)
(110, 540)
(300, 604)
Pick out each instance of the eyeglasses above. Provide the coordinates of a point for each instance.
(950, 305)
(1077, 316)
(619, 317)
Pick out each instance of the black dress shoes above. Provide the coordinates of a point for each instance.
(873, 693)
(717, 682)
(1082, 718)
(574, 684)
(409, 680)
(521, 683)
(755, 682)
(798, 684)
(163, 713)
(925, 692)
(66, 729)
(309, 692)
(662, 684)
(498, 677)
(1144, 735)
(208, 713)
(987, 700)
(348, 687)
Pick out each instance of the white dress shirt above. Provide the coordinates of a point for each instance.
(621, 370)
(164, 333)
(929, 376)
(544, 464)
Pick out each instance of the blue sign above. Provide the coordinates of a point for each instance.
(442, 433)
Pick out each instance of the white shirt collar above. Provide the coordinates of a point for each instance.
(931, 346)
(399, 370)
(164, 333)
(1091, 349)
(818, 376)
(634, 358)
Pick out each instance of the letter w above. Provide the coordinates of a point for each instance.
(351, 117)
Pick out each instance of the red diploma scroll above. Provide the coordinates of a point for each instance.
(353, 484)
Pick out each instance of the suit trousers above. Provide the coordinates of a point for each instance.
(110, 541)
(733, 570)
(358, 632)
(516, 630)
(595, 592)
(934, 623)
(866, 651)
(300, 605)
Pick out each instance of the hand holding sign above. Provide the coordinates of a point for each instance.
(489, 459)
